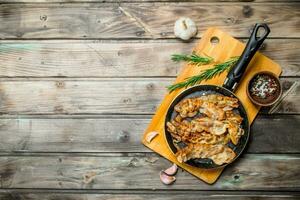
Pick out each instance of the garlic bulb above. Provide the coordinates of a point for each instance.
(185, 28)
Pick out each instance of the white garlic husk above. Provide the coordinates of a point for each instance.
(185, 28)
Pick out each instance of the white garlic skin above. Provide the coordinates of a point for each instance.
(185, 28)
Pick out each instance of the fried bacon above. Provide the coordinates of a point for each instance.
(212, 105)
(206, 138)
(207, 134)
(214, 127)
(226, 156)
(235, 132)
(188, 107)
(233, 117)
(220, 154)
(211, 110)
(221, 101)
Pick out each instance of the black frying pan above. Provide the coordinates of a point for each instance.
(229, 85)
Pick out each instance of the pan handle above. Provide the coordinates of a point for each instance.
(253, 44)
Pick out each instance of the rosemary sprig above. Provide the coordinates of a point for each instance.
(193, 59)
(204, 75)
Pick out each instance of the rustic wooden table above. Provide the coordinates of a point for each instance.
(80, 81)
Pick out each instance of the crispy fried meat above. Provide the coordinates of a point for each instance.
(188, 107)
(206, 134)
(219, 153)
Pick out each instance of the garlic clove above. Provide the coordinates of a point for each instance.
(166, 179)
(171, 170)
(150, 136)
(185, 28)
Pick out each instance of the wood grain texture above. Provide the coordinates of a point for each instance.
(58, 195)
(101, 96)
(55, 151)
(130, 1)
(142, 20)
(140, 171)
(117, 58)
(115, 134)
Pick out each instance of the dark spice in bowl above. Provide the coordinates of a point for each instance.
(264, 89)
(263, 86)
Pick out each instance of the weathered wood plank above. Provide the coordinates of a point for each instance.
(117, 58)
(75, 96)
(58, 195)
(111, 134)
(102, 96)
(90, 58)
(251, 172)
(114, 1)
(142, 20)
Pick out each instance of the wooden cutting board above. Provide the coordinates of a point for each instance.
(226, 48)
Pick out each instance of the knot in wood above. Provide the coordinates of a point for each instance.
(230, 20)
(150, 86)
(237, 178)
(43, 17)
(154, 108)
(286, 85)
(89, 177)
(124, 136)
(247, 11)
(58, 109)
(140, 33)
(60, 84)
(127, 100)
(133, 162)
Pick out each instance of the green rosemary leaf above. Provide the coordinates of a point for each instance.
(193, 59)
(204, 75)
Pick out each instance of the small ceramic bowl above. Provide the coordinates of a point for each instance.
(269, 99)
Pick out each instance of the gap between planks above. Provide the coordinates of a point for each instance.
(143, 1)
(143, 191)
(50, 194)
(107, 79)
(208, 193)
(123, 154)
